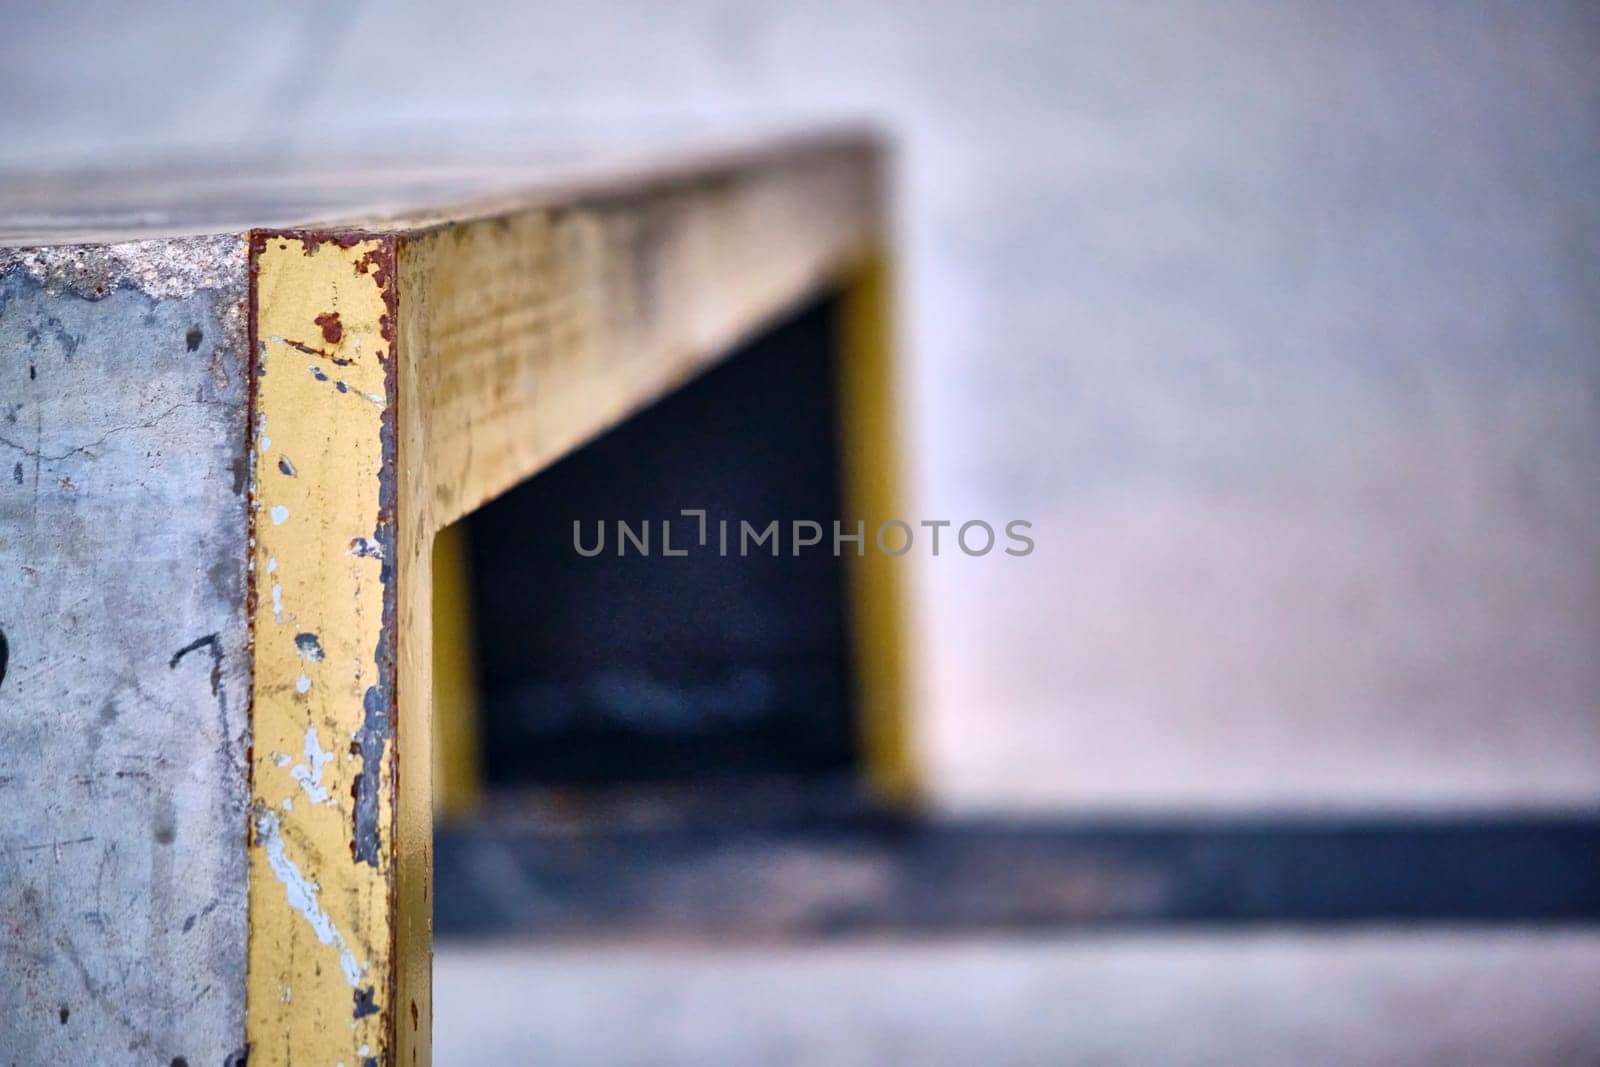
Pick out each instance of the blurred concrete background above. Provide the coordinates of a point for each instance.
(1243, 1000)
(1277, 320)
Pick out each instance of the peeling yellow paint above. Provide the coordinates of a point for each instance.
(519, 336)
(321, 978)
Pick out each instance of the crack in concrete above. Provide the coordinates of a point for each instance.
(97, 442)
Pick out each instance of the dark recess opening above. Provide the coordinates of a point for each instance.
(634, 669)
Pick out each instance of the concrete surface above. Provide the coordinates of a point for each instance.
(124, 697)
(1277, 320)
(1378, 997)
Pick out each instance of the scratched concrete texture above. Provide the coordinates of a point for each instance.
(124, 696)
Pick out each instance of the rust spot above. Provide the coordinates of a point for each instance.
(413, 1015)
(380, 263)
(332, 328)
(322, 353)
(311, 241)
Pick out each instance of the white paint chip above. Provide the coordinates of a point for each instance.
(279, 514)
(302, 894)
(365, 547)
(309, 774)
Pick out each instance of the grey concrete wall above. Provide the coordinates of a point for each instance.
(125, 692)
(1277, 320)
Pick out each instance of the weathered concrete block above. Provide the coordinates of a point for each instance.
(124, 698)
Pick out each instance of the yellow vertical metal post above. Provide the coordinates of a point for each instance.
(457, 764)
(872, 485)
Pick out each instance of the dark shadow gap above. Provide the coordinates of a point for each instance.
(643, 667)
(816, 871)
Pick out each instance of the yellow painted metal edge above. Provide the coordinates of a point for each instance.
(321, 982)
